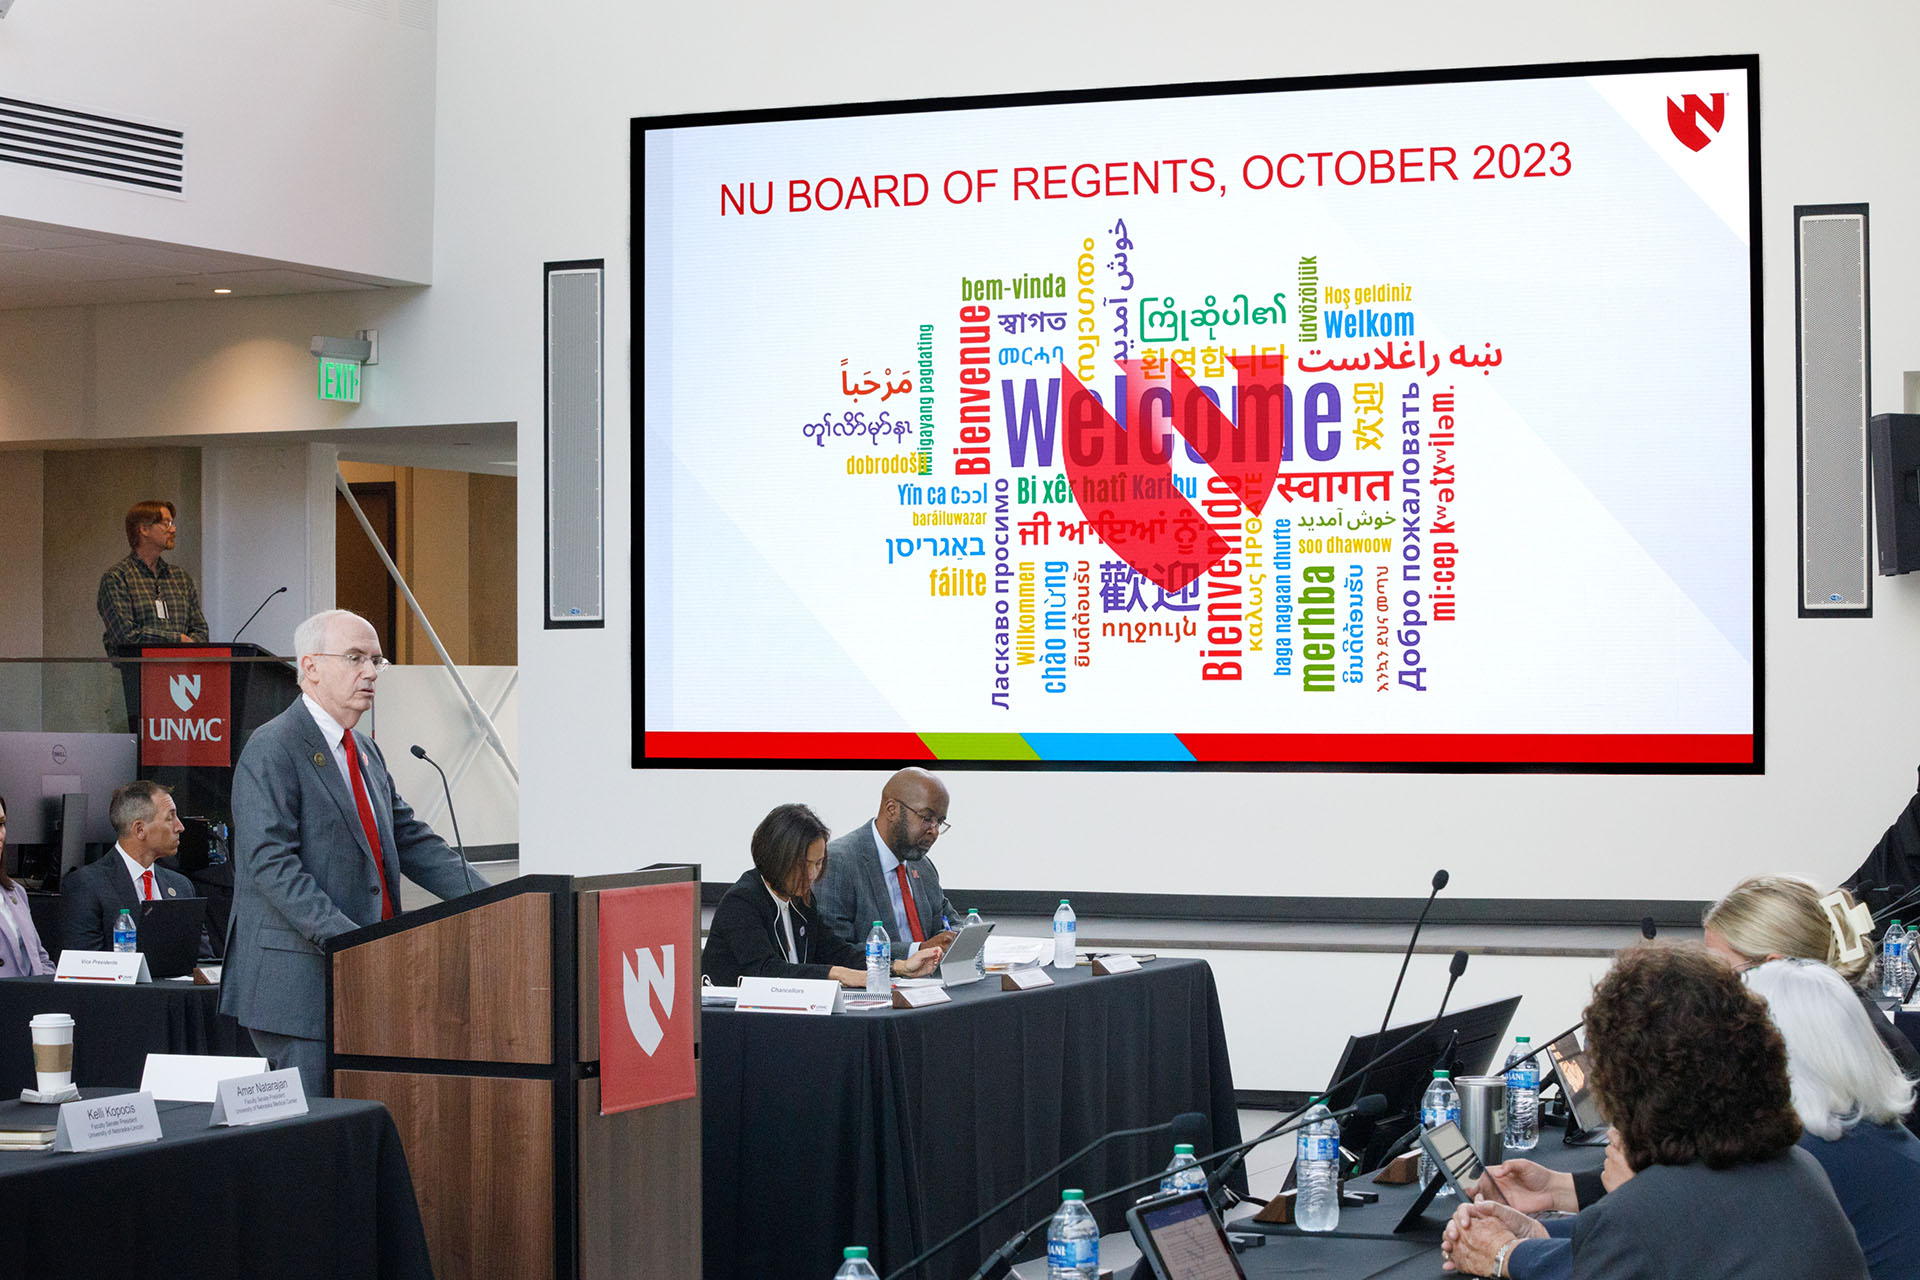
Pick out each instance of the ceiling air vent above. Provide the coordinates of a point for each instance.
(125, 153)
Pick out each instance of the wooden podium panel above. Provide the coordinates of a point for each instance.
(648, 1158)
(479, 986)
(479, 1148)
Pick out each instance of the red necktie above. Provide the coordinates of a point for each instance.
(367, 823)
(146, 885)
(906, 900)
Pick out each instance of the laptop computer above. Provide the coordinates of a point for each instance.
(1180, 1238)
(957, 967)
(170, 934)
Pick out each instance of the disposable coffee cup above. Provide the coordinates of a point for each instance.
(52, 1050)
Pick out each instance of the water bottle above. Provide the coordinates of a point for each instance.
(1892, 943)
(1317, 1165)
(1523, 1098)
(1073, 1240)
(879, 961)
(125, 936)
(980, 956)
(1064, 936)
(1183, 1172)
(1438, 1105)
(856, 1266)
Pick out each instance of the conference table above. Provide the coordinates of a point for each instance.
(114, 1027)
(893, 1128)
(324, 1196)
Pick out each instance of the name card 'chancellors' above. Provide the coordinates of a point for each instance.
(788, 995)
(120, 967)
(95, 1124)
(271, 1095)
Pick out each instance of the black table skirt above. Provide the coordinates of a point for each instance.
(321, 1195)
(894, 1128)
(1342, 1258)
(114, 1028)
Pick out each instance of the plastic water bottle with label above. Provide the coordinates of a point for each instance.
(879, 961)
(856, 1266)
(1317, 1165)
(1065, 933)
(1184, 1172)
(1439, 1104)
(126, 937)
(1523, 1098)
(1893, 960)
(980, 956)
(1073, 1240)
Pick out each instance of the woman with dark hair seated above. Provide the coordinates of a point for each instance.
(765, 926)
(1705, 1177)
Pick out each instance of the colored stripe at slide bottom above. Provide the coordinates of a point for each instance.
(1475, 748)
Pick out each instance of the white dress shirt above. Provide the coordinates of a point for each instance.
(783, 909)
(887, 863)
(138, 873)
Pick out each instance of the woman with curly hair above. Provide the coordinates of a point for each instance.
(1704, 1175)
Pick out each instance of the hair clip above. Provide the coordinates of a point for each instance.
(1850, 922)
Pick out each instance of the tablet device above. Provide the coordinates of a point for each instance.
(1450, 1151)
(1576, 1082)
(170, 934)
(1180, 1238)
(957, 966)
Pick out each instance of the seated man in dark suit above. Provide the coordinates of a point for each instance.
(92, 898)
(880, 871)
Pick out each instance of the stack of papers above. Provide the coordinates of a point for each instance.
(1017, 953)
(24, 1130)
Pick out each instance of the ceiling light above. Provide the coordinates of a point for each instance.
(223, 291)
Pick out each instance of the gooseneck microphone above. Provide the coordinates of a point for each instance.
(1647, 930)
(1440, 879)
(1189, 1127)
(420, 753)
(256, 613)
(1372, 1106)
(1456, 967)
(1528, 1057)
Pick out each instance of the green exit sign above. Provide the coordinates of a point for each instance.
(340, 380)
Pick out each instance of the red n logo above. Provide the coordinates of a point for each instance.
(1684, 119)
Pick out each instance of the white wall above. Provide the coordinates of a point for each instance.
(531, 165)
(266, 521)
(309, 124)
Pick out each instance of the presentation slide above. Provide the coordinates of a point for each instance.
(1392, 422)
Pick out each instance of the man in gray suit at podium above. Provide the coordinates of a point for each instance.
(880, 871)
(321, 838)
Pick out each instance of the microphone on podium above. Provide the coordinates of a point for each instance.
(420, 753)
(256, 613)
(1646, 927)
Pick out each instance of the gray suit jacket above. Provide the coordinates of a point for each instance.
(92, 898)
(303, 871)
(853, 894)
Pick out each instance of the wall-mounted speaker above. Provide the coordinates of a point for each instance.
(575, 445)
(1831, 350)
(1893, 442)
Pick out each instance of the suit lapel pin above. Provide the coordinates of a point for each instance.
(319, 761)
(172, 892)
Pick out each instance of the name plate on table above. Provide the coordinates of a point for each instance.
(788, 995)
(120, 967)
(919, 997)
(1106, 966)
(271, 1095)
(96, 1124)
(1025, 979)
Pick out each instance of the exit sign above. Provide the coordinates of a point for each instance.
(340, 380)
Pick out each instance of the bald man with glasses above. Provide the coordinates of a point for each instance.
(881, 871)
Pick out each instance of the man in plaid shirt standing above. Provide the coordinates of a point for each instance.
(143, 599)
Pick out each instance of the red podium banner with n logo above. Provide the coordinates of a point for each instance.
(186, 715)
(646, 997)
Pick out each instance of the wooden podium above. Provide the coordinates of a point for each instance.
(476, 1021)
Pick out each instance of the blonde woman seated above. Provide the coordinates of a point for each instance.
(1782, 917)
(1851, 1098)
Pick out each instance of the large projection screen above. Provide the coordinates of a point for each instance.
(1407, 421)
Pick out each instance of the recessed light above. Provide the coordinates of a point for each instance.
(223, 291)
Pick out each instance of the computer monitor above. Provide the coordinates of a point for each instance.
(37, 769)
(1463, 1042)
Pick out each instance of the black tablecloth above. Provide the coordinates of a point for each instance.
(326, 1194)
(114, 1028)
(894, 1128)
(1341, 1258)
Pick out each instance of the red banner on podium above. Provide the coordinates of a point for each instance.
(186, 713)
(646, 996)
